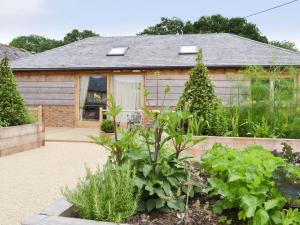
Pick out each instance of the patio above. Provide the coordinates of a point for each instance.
(29, 181)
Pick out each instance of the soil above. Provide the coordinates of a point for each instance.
(200, 212)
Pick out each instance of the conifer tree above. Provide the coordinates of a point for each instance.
(200, 99)
(12, 109)
(198, 91)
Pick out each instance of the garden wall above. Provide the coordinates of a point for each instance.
(241, 142)
(61, 213)
(21, 138)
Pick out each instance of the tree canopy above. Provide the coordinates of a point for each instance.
(285, 44)
(207, 24)
(36, 44)
(76, 35)
(213, 24)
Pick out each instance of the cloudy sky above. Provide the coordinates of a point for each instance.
(54, 18)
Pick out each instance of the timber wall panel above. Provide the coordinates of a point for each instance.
(47, 88)
(228, 83)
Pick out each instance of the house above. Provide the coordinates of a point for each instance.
(12, 53)
(72, 81)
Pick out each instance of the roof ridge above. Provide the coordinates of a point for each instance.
(20, 49)
(265, 44)
(98, 37)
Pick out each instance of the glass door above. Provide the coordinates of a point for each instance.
(92, 96)
(127, 94)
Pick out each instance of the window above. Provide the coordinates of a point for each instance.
(117, 51)
(188, 49)
(92, 96)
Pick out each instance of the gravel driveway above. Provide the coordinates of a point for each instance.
(29, 181)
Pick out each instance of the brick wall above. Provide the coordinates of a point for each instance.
(59, 116)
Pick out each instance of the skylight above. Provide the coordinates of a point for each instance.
(188, 49)
(117, 51)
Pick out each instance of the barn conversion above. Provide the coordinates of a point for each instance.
(72, 82)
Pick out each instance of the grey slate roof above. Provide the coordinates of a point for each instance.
(12, 53)
(219, 50)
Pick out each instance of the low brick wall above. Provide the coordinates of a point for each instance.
(21, 138)
(59, 116)
(241, 142)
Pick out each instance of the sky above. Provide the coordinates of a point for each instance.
(55, 18)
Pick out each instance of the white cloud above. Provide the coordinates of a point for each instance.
(20, 8)
(19, 17)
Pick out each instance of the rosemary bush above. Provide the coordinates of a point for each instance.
(107, 195)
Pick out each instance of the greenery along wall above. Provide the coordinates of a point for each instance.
(265, 103)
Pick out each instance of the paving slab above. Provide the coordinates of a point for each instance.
(30, 181)
(66, 134)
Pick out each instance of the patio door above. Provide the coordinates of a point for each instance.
(92, 96)
(127, 93)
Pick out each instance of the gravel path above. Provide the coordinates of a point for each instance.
(30, 181)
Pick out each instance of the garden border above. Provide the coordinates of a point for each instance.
(61, 213)
(21, 138)
(269, 144)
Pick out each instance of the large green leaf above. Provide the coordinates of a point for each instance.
(151, 204)
(249, 205)
(276, 217)
(176, 204)
(146, 170)
(261, 217)
(139, 182)
(272, 203)
(160, 203)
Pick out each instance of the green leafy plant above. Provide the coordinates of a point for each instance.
(266, 102)
(244, 180)
(107, 126)
(161, 173)
(167, 186)
(197, 125)
(13, 110)
(291, 217)
(200, 100)
(106, 195)
(115, 146)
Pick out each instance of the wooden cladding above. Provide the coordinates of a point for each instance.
(47, 90)
(227, 86)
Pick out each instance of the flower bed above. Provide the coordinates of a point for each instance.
(21, 138)
(240, 142)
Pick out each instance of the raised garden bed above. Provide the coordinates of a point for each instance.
(240, 142)
(21, 138)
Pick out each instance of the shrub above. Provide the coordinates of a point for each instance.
(270, 107)
(200, 99)
(166, 187)
(198, 91)
(107, 195)
(13, 111)
(245, 180)
(107, 126)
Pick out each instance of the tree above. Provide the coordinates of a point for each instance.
(207, 24)
(35, 43)
(200, 99)
(76, 35)
(13, 111)
(198, 92)
(285, 44)
(166, 26)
